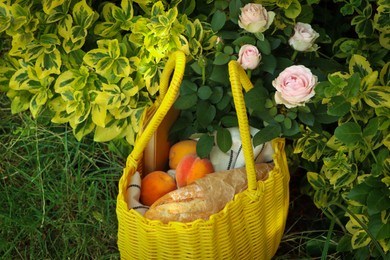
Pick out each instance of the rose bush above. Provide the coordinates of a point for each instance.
(294, 86)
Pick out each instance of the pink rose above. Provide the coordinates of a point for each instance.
(303, 38)
(254, 18)
(294, 86)
(249, 56)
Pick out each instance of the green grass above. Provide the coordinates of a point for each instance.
(58, 197)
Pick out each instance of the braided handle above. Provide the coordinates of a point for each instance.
(239, 80)
(176, 64)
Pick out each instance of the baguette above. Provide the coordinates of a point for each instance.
(204, 197)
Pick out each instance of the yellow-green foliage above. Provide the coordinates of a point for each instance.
(95, 65)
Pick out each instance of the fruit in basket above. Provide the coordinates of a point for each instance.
(155, 185)
(191, 168)
(179, 150)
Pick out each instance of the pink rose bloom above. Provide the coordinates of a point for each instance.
(303, 38)
(249, 56)
(294, 86)
(254, 18)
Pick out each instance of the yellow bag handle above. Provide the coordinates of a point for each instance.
(176, 63)
(239, 79)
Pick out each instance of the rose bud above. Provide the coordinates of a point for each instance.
(249, 57)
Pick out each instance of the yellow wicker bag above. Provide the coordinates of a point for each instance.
(249, 227)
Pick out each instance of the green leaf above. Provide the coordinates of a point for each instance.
(349, 133)
(283, 3)
(268, 63)
(221, 58)
(306, 118)
(205, 113)
(266, 134)
(347, 9)
(186, 101)
(359, 193)
(216, 95)
(264, 47)
(372, 127)
(378, 200)
(224, 139)
(338, 106)
(255, 98)
(293, 10)
(378, 228)
(344, 244)
(218, 20)
(204, 92)
(353, 87)
(204, 145)
(244, 40)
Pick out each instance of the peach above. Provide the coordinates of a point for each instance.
(179, 150)
(155, 185)
(191, 168)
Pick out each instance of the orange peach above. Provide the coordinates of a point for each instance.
(191, 168)
(155, 185)
(179, 150)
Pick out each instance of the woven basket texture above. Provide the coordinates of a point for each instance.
(250, 226)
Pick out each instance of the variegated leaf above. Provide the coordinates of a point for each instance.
(359, 64)
(21, 102)
(353, 226)
(48, 5)
(377, 96)
(5, 17)
(339, 171)
(321, 198)
(99, 114)
(384, 75)
(83, 15)
(107, 29)
(113, 130)
(127, 7)
(48, 63)
(360, 239)
(65, 27)
(108, 11)
(78, 33)
(58, 13)
(82, 129)
(37, 102)
(316, 180)
(128, 87)
(71, 80)
(70, 46)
